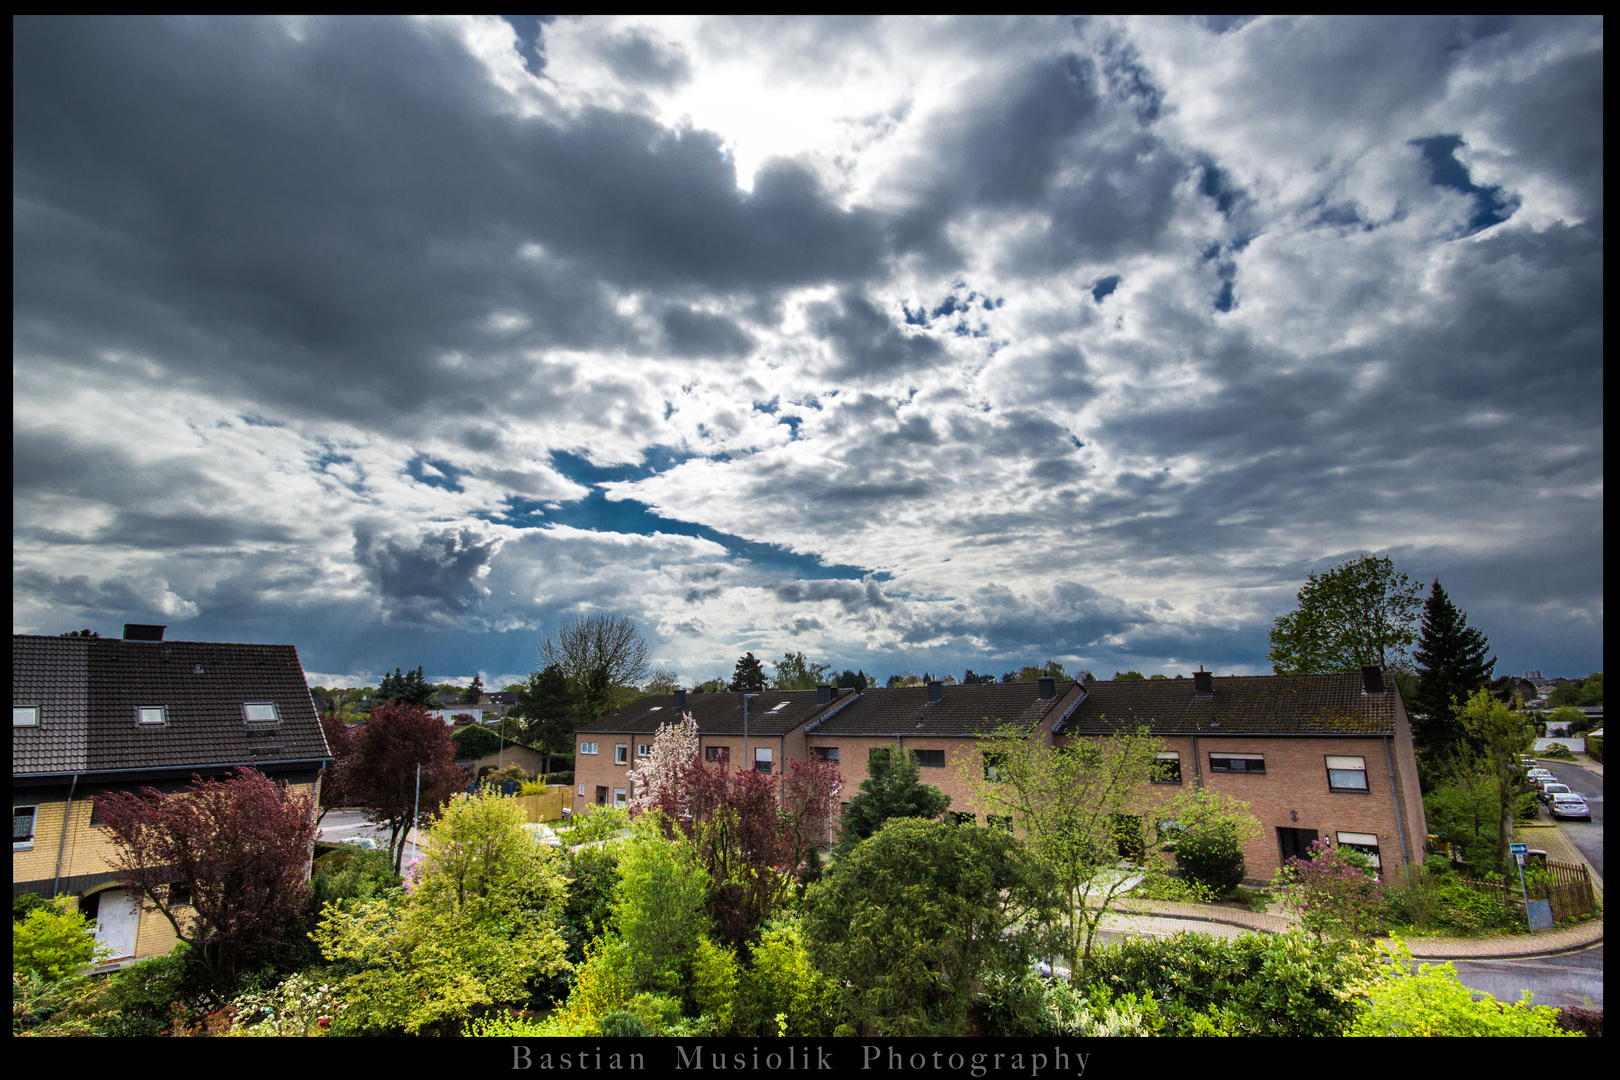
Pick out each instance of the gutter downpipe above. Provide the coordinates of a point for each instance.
(61, 846)
(1198, 773)
(1395, 793)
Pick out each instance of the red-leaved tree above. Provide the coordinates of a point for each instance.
(340, 741)
(236, 852)
(379, 772)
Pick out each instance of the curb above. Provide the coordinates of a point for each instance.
(1559, 951)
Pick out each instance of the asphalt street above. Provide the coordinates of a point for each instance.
(1569, 979)
(1588, 836)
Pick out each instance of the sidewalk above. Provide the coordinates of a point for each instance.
(1160, 918)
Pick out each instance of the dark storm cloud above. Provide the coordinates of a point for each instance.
(354, 205)
(855, 597)
(697, 333)
(866, 342)
(435, 573)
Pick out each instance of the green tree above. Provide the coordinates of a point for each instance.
(794, 672)
(855, 680)
(658, 909)
(749, 676)
(1500, 734)
(1078, 807)
(893, 788)
(474, 692)
(54, 942)
(914, 921)
(1211, 831)
(480, 921)
(1592, 689)
(1451, 665)
(601, 647)
(1464, 809)
(1357, 614)
(411, 687)
(547, 712)
(1128, 676)
(474, 741)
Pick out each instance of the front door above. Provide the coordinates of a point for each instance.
(118, 919)
(1295, 843)
(601, 796)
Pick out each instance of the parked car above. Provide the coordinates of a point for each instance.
(1539, 775)
(1549, 789)
(1571, 807)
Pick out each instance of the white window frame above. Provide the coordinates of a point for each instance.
(1341, 763)
(621, 753)
(718, 755)
(1168, 755)
(249, 706)
(762, 756)
(621, 797)
(33, 830)
(643, 749)
(141, 712)
(1356, 841)
(828, 754)
(28, 713)
(587, 748)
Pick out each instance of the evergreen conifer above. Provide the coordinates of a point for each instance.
(1451, 666)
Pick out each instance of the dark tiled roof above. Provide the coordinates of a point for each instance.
(90, 689)
(974, 709)
(1240, 705)
(721, 714)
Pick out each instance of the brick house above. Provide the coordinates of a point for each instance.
(1312, 755)
(766, 729)
(96, 715)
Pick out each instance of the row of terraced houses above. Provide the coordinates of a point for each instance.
(1313, 756)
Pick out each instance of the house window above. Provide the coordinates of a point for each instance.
(721, 754)
(1167, 768)
(643, 749)
(151, 715)
(762, 759)
(25, 716)
(780, 707)
(993, 768)
(260, 713)
(999, 821)
(1243, 763)
(1347, 773)
(825, 753)
(587, 748)
(621, 796)
(581, 791)
(1168, 830)
(22, 826)
(621, 754)
(1366, 843)
(929, 759)
(963, 819)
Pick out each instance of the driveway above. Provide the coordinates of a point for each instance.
(1588, 836)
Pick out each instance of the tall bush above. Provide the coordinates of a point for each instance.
(54, 942)
(1331, 894)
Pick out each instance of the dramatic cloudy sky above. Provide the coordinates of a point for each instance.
(908, 344)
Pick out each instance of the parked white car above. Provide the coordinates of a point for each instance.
(1550, 788)
(1540, 775)
(1571, 807)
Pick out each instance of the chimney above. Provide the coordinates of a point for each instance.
(134, 631)
(936, 692)
(1046, 687)
(824, 694)
(1204, 683)
(1372, 680)
(680, 699)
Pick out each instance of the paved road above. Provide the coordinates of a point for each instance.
(1588, 836)
(340, 825)
(1571, 979)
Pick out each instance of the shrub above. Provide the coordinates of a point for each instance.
(1588, 1022)
(73, 1005)
(623, 1024)
(1333, 892)
(1168, 887)
(1432, 1002)
(352, 873)
(1559, 751)
(54, 942)
(1283, 984)
(1467, 911)
(24, 902)
(1028, 1005)
(300, 1005)
(782, 993)
(1213, 860)
(563, 779)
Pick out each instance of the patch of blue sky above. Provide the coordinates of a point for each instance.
(1491, 205)
(597, 513)
(435, 473)
(1104, 286)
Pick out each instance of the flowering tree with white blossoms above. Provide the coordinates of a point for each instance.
(660, 780)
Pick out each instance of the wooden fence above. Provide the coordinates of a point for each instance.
(1567, 887)
(547, 806)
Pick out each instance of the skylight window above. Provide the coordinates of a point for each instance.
(263, 712)
(151, 715)
(25, 716)
(779, 706)
(655, 708)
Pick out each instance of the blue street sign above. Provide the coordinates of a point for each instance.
(1519, 849)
